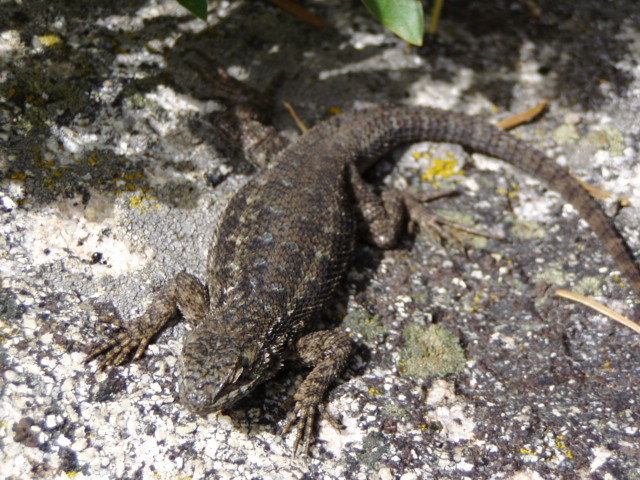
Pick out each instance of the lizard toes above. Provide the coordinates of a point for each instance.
(98, 349)
(114, 352)
(302, 421)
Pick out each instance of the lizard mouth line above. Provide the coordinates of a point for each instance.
(204, 402)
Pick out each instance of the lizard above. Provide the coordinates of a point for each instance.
(283, 247)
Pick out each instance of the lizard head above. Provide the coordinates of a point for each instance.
(217, 371)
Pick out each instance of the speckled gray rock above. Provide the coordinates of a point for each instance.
(106, 191)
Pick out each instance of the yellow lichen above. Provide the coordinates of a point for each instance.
(144, 202)
(50, 40)
(442, 168)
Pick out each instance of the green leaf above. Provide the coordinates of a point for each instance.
(405, 18)
(197, 7)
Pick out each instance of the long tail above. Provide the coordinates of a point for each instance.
(374, 132)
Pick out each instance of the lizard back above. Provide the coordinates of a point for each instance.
(283, 248)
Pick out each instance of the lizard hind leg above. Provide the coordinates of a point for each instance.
(383, 215)
(327, 351)
(425, 218)
(185, 293)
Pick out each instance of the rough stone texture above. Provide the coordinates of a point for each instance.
(112, 182)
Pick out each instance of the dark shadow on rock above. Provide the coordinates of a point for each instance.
(579, 45)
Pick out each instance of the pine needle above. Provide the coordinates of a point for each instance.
(599, 307)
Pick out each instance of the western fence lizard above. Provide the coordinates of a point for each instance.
(284, 245)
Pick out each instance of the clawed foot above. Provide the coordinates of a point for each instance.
(136, 336)
(302, 420)
(425, 218)
(117, 350)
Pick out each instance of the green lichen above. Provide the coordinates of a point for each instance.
(431, 351)
(609, 138)
(363, 323)
(552, 275)
(44, 94)
(140, 101)
(45, 177)
(375, 447)
(9, 305)
(529, 230)
(397, 412)
(588, 285)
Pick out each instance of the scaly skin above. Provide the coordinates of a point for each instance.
(284, 245)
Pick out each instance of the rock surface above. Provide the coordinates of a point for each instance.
(111, 183)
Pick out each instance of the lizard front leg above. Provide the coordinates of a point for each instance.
(244, 129)
(327, 351)
(185, 293)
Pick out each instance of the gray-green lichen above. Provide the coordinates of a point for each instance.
(531, 230)
(566, 134)
(363, 323)
(589, 285)
(552, 275)
(375, 447)
(398, 412)
(609, 138)
(431, 351)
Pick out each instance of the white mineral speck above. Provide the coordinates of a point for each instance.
(385, 474)
(8, 203)
(51, 421)
(9, 40)
(409, 476)
(79, 445)
(63, 441)
(185, 430)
